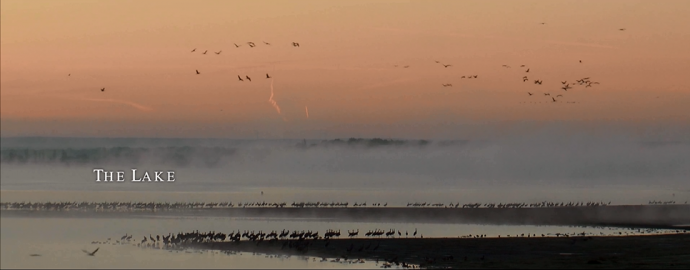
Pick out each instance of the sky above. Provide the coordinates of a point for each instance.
(346, 78)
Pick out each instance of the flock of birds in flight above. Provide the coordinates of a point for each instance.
(251, 45)
(565, 86)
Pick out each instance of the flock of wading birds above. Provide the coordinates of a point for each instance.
(301, 241)
(565, 85)
(127, 206)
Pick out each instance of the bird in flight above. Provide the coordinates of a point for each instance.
(547, 94)
(205, 51)
(267, 43)
(194, 50)
(475, 76)
(238, 76)
(530, 93)
(564, 82)
(554, 99)
(447, 66)
(543, 23)
(197, 72)
(506, 66)
(250, 79)
(218, 52)
(103, 89)
(91, 253)
(267, 77)
(251, 44)
(527, 70)
(446, 85)
(437, 62)
(69, 74)
(237, 46)
(580, 61)
(295, 44)
(406, 66)
(622, 29)
(559, 96)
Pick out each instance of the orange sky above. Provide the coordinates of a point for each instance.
(343, 71)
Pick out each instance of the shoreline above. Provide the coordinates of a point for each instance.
(647, 216)
(668, 250)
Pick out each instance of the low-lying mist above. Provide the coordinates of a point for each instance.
(537, 159)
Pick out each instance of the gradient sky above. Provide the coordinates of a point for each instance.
(344, 71)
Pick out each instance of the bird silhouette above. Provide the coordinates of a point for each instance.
(237, 46)
(295, 44)
(91, 253)
(197, 72)
(530, 93)
(250, 79)
(69, 74)
(554, 99)
(238, 76)
(527, 70)
(219, 52)
(622, 29)
(267, 43)
(251, 44)
(194, 50)
(103, 89)
(205, 51)
(445, 66)
(267, 77)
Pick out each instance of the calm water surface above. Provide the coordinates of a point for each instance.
(60, 240)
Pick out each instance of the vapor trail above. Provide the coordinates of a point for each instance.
(135, 105)
(306, 110)
(410, 31)
(273, 102)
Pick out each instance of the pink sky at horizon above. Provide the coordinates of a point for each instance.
(344, 70)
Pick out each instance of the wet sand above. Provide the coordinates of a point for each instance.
(657, 251)
(651, 216)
